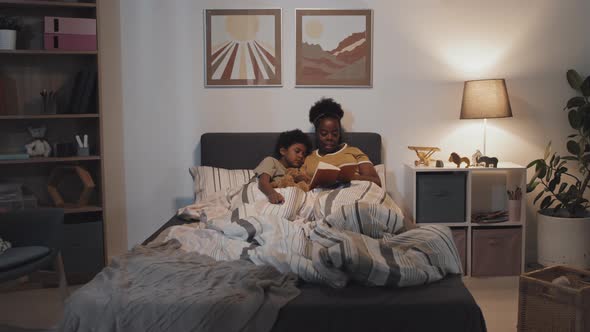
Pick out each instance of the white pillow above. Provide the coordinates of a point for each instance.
(208, 180)
(381, 172)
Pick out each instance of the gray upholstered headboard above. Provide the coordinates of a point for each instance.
(246, 150)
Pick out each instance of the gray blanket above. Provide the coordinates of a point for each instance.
(162, 288)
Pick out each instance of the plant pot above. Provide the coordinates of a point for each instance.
(7, 39)
(563, 240)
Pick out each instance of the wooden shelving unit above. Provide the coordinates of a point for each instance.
(25, 72)
(484, 190)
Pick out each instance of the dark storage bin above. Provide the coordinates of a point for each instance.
(83, 251)
(460, 238)
(496, 251)
(440, 197)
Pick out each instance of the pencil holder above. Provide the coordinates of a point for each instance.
(514, 208)
(83, 152)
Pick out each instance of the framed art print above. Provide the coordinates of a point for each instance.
(243, 47)
(334, 47)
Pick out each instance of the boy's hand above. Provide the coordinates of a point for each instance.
(276, 198)
(301, 177)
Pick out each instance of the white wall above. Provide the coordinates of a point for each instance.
(423, 51)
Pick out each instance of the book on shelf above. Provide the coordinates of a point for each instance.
(14, 156)
(327, 175)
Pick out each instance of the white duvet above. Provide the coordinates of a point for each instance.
(354, 232)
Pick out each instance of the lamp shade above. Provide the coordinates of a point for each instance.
(485, 99)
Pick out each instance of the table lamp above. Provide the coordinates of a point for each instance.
(485, 99)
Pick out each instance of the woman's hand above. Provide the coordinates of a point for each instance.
(367, 172)
(276, 198)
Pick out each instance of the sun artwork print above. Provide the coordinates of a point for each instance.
(333, 48)
(243, 47)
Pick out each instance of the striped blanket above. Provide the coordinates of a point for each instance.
(355, 232)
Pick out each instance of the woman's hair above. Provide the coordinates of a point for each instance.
(288, 138)
(325, 108)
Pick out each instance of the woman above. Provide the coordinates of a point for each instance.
(325, 116)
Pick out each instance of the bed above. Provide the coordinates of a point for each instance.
(445, 305)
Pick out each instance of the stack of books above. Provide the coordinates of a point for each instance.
(490, 217)
(70, 34)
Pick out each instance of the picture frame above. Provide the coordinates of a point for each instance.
(334, 48)
(243, 47)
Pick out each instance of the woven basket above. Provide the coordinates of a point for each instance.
(546, 306)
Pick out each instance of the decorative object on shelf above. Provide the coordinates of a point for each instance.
(474, 158)
(243, 47)
(440, 164)
(514, 204)
(9, 26)
(70, 33)
(487, 161)
(14, 156)
(455, 158)
(485, 99)
(82, 148)
(39, 146)
(424, 153)
(563, 219)
(333, 47)
(49, 101)
(57, 186)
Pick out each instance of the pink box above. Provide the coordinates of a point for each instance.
(70, 25)
(70, 42)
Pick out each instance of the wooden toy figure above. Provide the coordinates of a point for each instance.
(455, 158)
(424, 153)
(488, 161)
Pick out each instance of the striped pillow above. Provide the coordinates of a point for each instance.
(208, 180)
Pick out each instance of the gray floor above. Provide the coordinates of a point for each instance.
(41, 309)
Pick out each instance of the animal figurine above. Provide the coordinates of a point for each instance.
(455, 158)
(288, 180)
(39, 146)
(424, 153)
(474, 158)
(439, 164)
(487, 161)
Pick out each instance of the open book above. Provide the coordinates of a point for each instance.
(327, 175)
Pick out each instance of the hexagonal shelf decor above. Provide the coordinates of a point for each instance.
(60, 175)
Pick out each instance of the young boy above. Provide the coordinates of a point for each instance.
(291, 149)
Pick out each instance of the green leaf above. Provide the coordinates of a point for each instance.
(572, 135)
(557, 159)
(553, 183)
(562, 187)
(569, 157)
(546, 202)
(575, 119)
(533, 163)
(573, 148)
(547, 151)
(574, 79)
(586, 87)
(576, 102)
(541, 169)
(531, 186)
(538, 197)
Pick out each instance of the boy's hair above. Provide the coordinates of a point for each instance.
(288, 138)
(325, 108)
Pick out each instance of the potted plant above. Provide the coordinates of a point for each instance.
(8, 28)
(563, 233)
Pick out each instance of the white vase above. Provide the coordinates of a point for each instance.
(563, 241)
(7, 39)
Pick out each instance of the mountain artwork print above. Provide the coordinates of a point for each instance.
(334, 47)
(243, 47)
